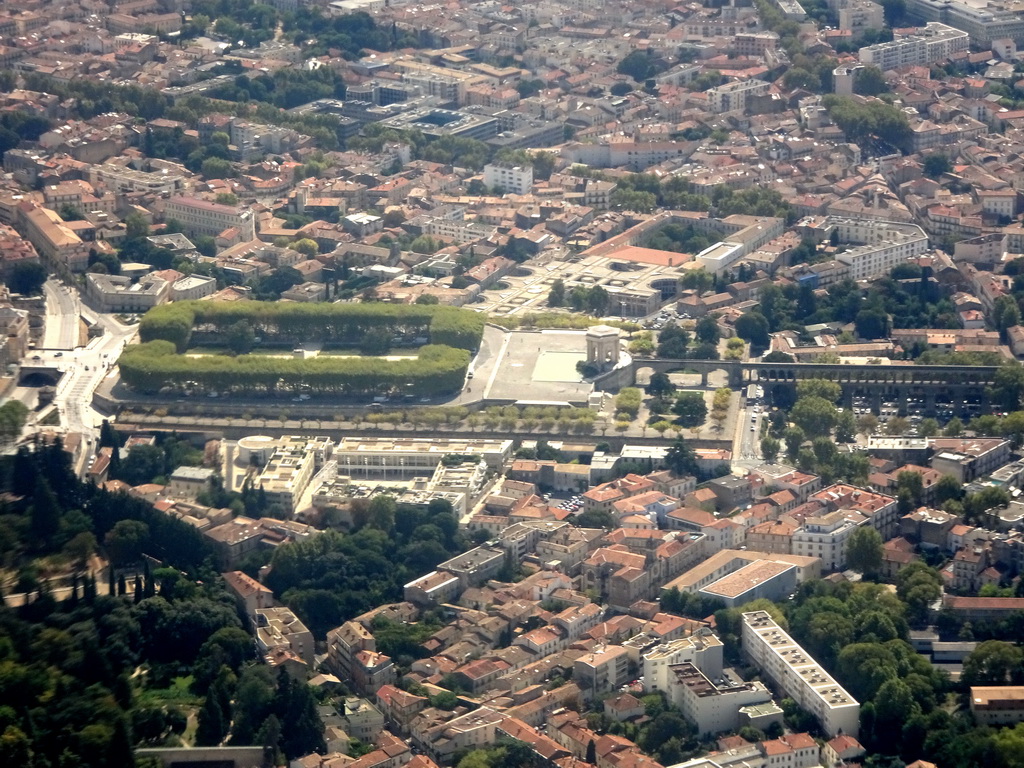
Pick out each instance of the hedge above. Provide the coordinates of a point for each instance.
(294, 323)
(150, 366)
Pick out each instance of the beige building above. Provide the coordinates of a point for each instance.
(997, 704)
(117, 293)
(280, 628)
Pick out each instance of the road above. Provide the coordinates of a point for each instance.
(83, 368)
(63, 316)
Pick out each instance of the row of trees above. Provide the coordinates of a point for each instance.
(344, 324)
(152, 366)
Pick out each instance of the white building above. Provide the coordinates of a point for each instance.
(205, 218)
(931, 43)
(117, 293)
(404, 458)
(517, 179)
(733, 97)
(880, 245)
(712, 705)
(826, 536)
(193, 287)
(703, 650)
(799, 676)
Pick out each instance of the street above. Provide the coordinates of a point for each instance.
(83, 368)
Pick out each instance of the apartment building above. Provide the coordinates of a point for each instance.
(735, 96)
(769, 579)
(602, 671)
(202, 217)
(121, 179)
(931, 43)
(826, 536)
(286, 475)
(280, 628)
(52, 238)
(801, 678)
(968, 459)
(881, 510)
(703, 649)
(517, 179)
(983, 21)
(712, 706)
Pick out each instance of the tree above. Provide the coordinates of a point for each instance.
(994, 662)
(936, 164)
(638, 65)
(753, 326)
(867, 423)
(26, 277)
(846, 427)
(928, 428)
(556, 296)
(948, 487)
(1008, 386)
(44, 514)
(240, 338)
(823, 388)
(954, 427)
(814, 415)
(707, 330)
(681, 459)
(216, 168)
(794, 437)
(136, 226)
(691, 409)
(126, 541)
(864, 550)
(660, 385)
(143, 465)
(872, 324)
(869, 81)
(770, 448)
(306, 246)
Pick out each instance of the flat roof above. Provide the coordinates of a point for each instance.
(748, 577)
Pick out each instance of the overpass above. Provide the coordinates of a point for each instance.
(38, 374)
(954, 384)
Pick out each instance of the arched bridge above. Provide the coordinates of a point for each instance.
(38, 375)
(930, 382)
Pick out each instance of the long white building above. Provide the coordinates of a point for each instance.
(800, 677)
(879, 245)
(933, 42)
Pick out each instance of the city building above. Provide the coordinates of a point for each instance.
(405, 458)
(712, 706)
(801, 678)
(190, 482)
(997, 704)
(201, 217)
(517, 179)
(117, 293)
(932, 43)
(768, 579)
(279, 627)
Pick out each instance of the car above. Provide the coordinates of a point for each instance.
(58, 354)
(752, 428)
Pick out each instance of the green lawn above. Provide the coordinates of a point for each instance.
(177, 693)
